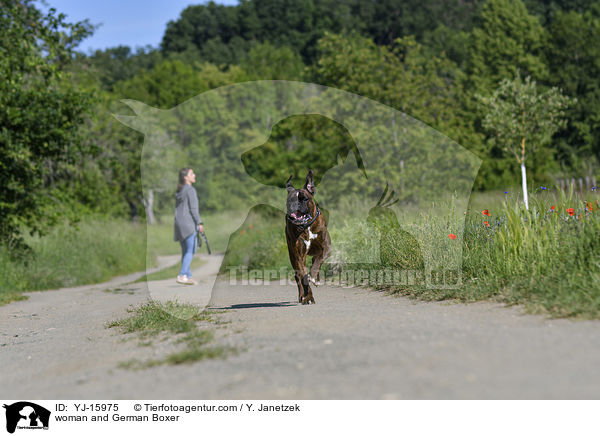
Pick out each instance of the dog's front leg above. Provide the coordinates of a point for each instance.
(298, 277)
(304, 292)
(308, 296)
(315, 269)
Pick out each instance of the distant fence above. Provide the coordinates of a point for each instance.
(579, 184)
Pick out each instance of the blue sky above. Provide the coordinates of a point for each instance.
(127, 22)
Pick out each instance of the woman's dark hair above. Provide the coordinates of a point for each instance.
(182, 173)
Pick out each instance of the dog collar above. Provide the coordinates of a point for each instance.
(308, 224)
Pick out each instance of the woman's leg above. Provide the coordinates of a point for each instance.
(192, 243)
(188, 248)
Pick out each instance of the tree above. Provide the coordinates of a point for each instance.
(402, 76)
(268, 62)
(167, 85)
(522, 118)
(507, 39)
(115, 64)
(574, 55)
(40, 113)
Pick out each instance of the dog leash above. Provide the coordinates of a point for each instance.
(205, 240)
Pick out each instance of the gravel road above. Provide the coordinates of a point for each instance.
(353, 344)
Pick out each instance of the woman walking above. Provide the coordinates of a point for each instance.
(187, 223)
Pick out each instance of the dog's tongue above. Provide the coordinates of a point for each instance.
(295, 215)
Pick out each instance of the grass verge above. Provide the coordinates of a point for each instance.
(94, 251)
(178, 322)
(546, 259)
(71, 255)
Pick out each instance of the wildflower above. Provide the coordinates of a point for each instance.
(571, 211)
(588, 206)
(486, 223)
(242, 232)
(544, 188)
(506, 192)
(251, 226)
(486, 212)
(552, 208)
(594, 188)
(452, 236)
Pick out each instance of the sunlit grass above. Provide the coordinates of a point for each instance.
(175, 320)
(94, 251)
(71, 255)
(544, 258)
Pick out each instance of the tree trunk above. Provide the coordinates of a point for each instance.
(524, 177)
(524, 174)
(149, 206)
(133, 210)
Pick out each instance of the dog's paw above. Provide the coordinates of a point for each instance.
(308, 300)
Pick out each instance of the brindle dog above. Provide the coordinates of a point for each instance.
(306, 234)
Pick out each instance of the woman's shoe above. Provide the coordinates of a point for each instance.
(185, 280)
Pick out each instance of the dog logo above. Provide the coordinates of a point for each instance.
(429, 174)
(26, 415)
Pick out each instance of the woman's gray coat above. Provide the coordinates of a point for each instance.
(187, 217)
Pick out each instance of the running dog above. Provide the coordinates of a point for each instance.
(306, 234)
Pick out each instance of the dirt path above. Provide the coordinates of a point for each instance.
(353, 344)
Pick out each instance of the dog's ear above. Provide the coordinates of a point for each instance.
(309, 185)
(288, 184)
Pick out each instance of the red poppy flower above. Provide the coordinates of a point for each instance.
(452, 236)
(589, 207)
(486, 223)
(571, 211)
(251, 226)
(486, 212)
(552, 207)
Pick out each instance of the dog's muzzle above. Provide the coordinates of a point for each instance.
(299, 218)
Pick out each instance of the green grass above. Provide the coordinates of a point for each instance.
(95, 251)
(259, 243)
(543, 259)
(546, 260)
(170, 272)
(179, 321)
(154, 317)
(72, 255)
